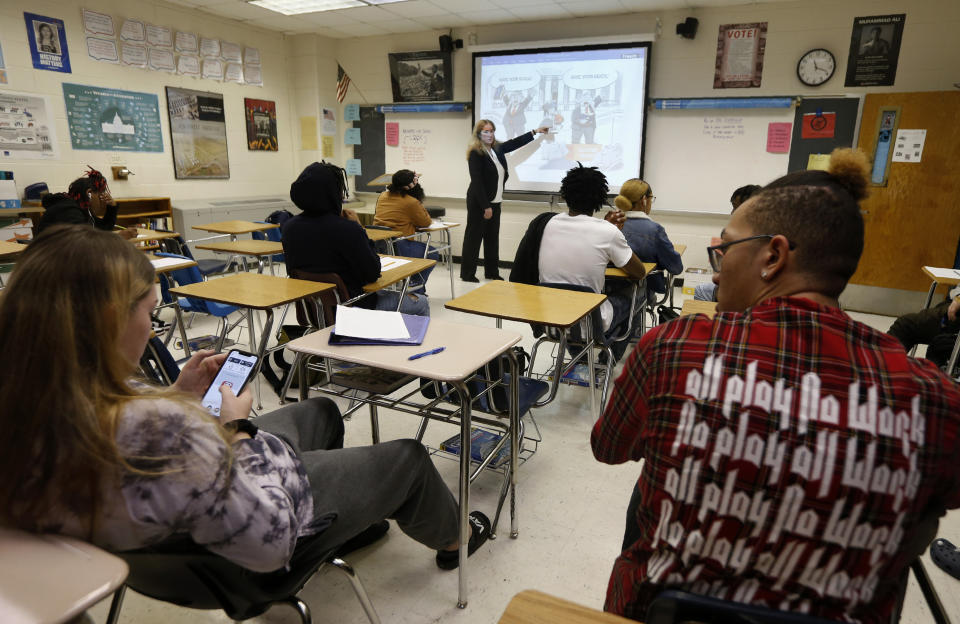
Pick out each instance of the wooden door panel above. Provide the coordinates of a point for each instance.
(915, 219)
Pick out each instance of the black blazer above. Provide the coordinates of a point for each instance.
(483, 173)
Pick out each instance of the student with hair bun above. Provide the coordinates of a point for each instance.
(793, 457)
(646, 237)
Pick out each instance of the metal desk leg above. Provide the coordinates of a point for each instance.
(591, 363)
(464, 488)
(265, 335)
(514, 440)
(183, 330)
(448, 242)
(953, 356)
(374, 424)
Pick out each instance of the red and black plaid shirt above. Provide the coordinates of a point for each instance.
(791, 455)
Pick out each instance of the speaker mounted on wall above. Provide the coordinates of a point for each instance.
(688, 28)
(447, 43)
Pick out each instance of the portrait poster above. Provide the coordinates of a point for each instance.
(261, 124)
(874, 50)
(198, 134)
(740, 49)
(26, 126)
(111, 119)
(47, 39)
(421, 76)
(3, 68)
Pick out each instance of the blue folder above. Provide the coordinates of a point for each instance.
(416, 327)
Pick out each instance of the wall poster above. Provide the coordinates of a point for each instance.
(874, 50)
(26, 126)
(261, 124)
(421, 76)
(111, 119)
(198, 134)
(740, 49)
(47, 38)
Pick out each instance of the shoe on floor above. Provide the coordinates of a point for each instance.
(472, 280)
(495, 277)
(946, 556)
(366, 537)
(480, 525)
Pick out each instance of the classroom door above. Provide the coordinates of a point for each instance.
(915, 219)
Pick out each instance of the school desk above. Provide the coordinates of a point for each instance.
(259, 249)
(949, 277)
(534, 607)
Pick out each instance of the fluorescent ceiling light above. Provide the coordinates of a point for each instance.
(296, 7)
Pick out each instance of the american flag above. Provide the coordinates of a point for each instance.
(343, 83)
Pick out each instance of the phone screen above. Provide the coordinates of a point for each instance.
(235, 372)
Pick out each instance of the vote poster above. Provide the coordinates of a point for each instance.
(740, 50)
(47, 38)
(110, 119)
(198, 134)
(261, 124)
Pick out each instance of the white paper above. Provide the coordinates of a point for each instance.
(188, 65)
(439, 225)
(251, 56)
(161, 60)
(252, 75)
(387, 263)
(373, 324)
(97, 23)
(186, 42)
(159, 36)
(909, 145)
(941, 273)
(102, 50)
(233, 73)
(212, 69)
(133, 54)
(230, 52)
(159, 263)
(210, 47)
(133, 30)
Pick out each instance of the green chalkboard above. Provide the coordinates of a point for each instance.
(111, 119)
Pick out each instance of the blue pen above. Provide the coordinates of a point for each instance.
(426, 353)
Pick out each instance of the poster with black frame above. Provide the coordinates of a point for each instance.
(421, 76)
(261, 118)
(198, 134)
(874, 50)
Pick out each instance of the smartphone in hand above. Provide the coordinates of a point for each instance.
(236, 370)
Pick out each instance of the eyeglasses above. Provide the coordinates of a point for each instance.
(715, 252)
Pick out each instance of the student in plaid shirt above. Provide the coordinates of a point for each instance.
(793, 457)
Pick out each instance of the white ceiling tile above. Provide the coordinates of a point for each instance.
(360, 30)
(541, 11)
(592, 7)
(283, 23)
(330, 18)
(415, 8)
(371, 15)
(238, 10)
(456, 6)
(443, 21)
(512, 4)
(488, 16)
(187, 3)
(403, 26)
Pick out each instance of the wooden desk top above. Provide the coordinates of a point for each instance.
(531, 304)
(235, 227)
(252, 290)
(693, 306)
(467, 348)
(53, 578)
(376, 234)
(245, 247)
(620, 273)
(680, 249)
(942, 275)
(10, 249)
(392, 276)
(533, 607)
(165, 265)
(143, 234)
(23, 209)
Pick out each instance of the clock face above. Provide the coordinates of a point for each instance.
(816, 67)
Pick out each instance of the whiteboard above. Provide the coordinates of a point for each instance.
(695, 159)
(434, 144)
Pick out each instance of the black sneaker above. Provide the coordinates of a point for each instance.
(945, 555)
(366, 537)
(480, 525)
(472, 280)
(493, 278)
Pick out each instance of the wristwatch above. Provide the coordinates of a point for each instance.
(242, 425)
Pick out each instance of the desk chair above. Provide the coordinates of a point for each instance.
(206, 266)
(192, 275)
(575, 339)
(157, 364)
(188, 575)
(273, 235)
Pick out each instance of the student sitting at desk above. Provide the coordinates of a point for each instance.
(936, 326)
(326, 238)
(646, 237)
(85, 197)
(575, 248)
(400, 208)
(793, 457)
(708, 290)
(88, 452)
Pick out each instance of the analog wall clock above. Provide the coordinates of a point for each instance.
(816, 67)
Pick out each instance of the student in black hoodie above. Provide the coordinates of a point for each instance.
(85, 198)
(326, 238)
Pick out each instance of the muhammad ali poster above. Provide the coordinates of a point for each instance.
(421, 76)
(874, 50)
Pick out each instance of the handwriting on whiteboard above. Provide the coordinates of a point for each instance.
(723, 128)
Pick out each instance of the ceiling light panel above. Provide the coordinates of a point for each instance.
(296, 7)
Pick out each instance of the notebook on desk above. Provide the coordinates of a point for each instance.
(416, 327)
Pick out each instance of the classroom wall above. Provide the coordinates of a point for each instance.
(684, 68)
(251, 172)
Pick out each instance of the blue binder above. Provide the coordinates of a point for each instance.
(416, 327)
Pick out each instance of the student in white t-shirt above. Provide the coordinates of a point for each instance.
(576, 247)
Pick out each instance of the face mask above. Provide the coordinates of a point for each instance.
(487, 136)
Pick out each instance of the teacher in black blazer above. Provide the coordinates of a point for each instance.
(488, 175)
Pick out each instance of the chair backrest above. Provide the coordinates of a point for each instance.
(157, 364)
(190, 275)
(306, 315)
(183, 573)
(672, 606)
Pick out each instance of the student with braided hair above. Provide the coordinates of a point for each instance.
(86, 197)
